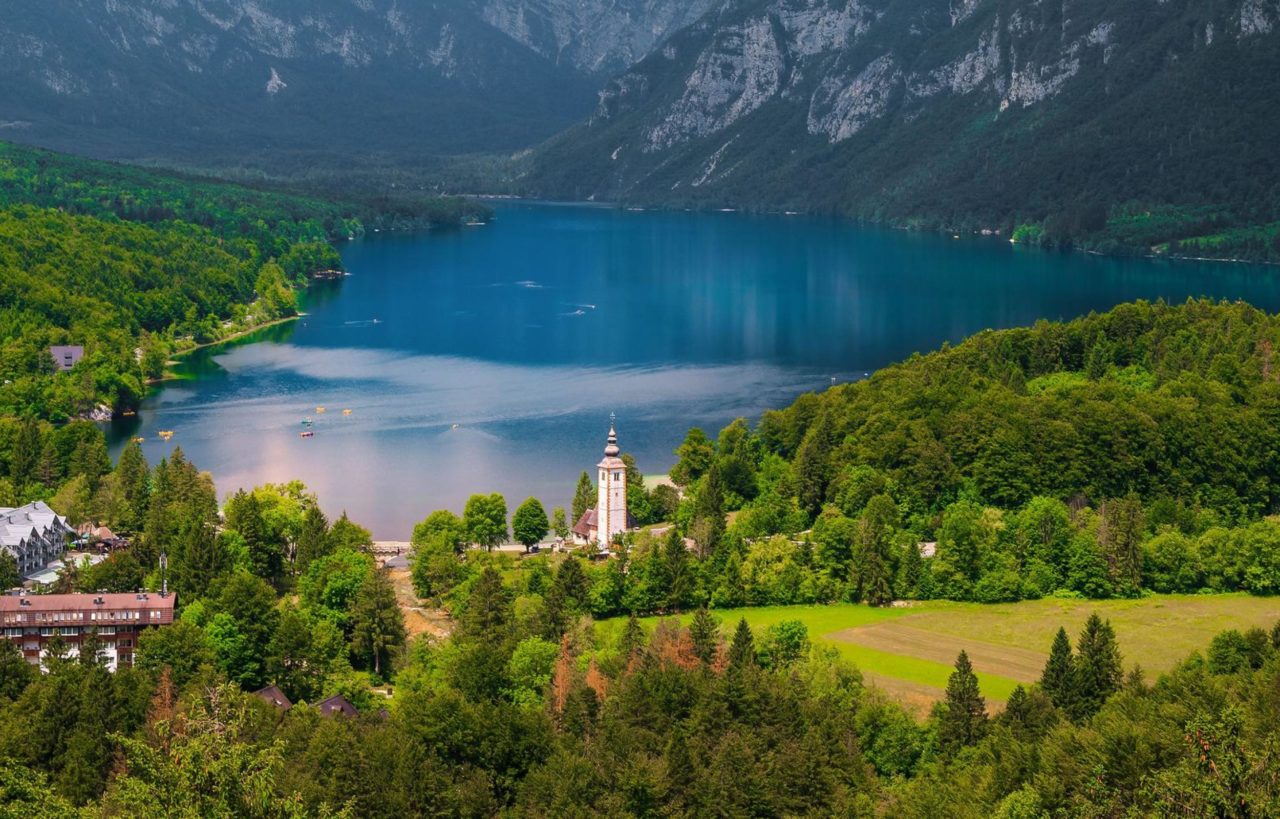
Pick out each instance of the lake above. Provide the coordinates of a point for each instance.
(490, 358)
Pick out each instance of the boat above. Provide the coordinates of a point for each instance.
(166, 434)
(319, 410)
(128, 413)
(306, 422)
(346, 412)
(455, 426)
(306, 433)
(139, 440)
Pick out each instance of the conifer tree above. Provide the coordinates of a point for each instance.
(313, 539)
(15, 672)
(131, 474)
(200, 558)
(377, 625)
(488, 612)
(1099, 673)
(680, 579)
(705, 633)
(964, 719)
(632, 639)
(875, 529)
(584, 497)
(82, 768)
(1058, 679)
(25, 457)
(742, 651)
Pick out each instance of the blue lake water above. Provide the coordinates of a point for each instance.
(489, 358)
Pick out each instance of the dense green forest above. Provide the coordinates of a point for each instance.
(135, 265)
(520, 713)
(1147, 439)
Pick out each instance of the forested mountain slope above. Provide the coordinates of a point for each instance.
(206, 82)
(1129, 123)
(133, 265)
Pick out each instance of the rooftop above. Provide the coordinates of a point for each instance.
(86, 602)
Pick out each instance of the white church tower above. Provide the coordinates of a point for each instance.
(611, 498)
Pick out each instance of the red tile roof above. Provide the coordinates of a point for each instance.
(86, 602)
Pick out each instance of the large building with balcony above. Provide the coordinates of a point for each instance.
(31, 620)
(35, 535)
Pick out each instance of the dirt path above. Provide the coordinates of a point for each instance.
(418, 619)
(899, 637)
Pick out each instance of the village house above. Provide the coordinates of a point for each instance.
(35, 535)
(31, 621)
(66, 356)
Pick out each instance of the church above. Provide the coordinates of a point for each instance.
(610, 517)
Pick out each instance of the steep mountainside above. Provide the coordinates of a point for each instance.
(197, 78)
(966, 112)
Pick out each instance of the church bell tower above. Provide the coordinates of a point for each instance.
(611, 501)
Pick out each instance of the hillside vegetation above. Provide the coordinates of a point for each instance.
(134, 265)
(1120, 126)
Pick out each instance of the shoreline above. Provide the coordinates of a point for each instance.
(177, 357)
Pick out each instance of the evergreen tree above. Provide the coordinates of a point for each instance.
(244, 515)
(1099, 673)
(313, 539)
(705, 633)
(25, 457)
(813, 464)
(131, 474)
(90, 459)
(708, 524)
(347, 534)
(1120, 536)
(1058, 679)
(632, 639)
(910, 572)
(15, 672)
(679, 572)
(584, 497)
(964, 716)
(9, 577)
(82, 768)
(201, 559)
(377, 623)
(874, 567)
(48, 471)
(488, 613)
(742, 651)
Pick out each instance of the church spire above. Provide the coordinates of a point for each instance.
(611, 446)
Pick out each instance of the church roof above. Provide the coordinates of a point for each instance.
(611, 449)
(589, 523)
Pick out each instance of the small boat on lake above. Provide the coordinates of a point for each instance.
(306, 433)
(139, 440)
(346, 412)
(165, 434)
(306, 422)
(319, 410)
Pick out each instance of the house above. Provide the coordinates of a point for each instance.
(35, 535)
(30, 621)
(66, 356)
(272, 695)
(337, 705)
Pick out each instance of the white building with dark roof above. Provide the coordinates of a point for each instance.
(35, 535)
(610, 516)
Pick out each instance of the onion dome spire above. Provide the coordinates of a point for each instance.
(611, 447)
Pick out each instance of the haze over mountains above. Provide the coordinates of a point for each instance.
(192, 78)
(1076, 114)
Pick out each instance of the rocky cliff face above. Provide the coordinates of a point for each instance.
(140, 77)
(807, 99)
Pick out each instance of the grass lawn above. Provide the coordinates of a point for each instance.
(909, 651)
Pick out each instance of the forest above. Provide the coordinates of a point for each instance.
(135, 266)
(548, 696)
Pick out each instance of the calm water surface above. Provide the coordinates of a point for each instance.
(489, 359)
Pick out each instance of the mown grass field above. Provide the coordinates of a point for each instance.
(909, 650)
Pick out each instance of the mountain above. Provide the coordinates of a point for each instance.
(203, 79)
(1119, 116)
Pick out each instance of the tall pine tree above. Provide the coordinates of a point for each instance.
(964, 718)
(584, 497)
(705, 634)
(1099, 673)
(1058, 679)
(742, 651)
